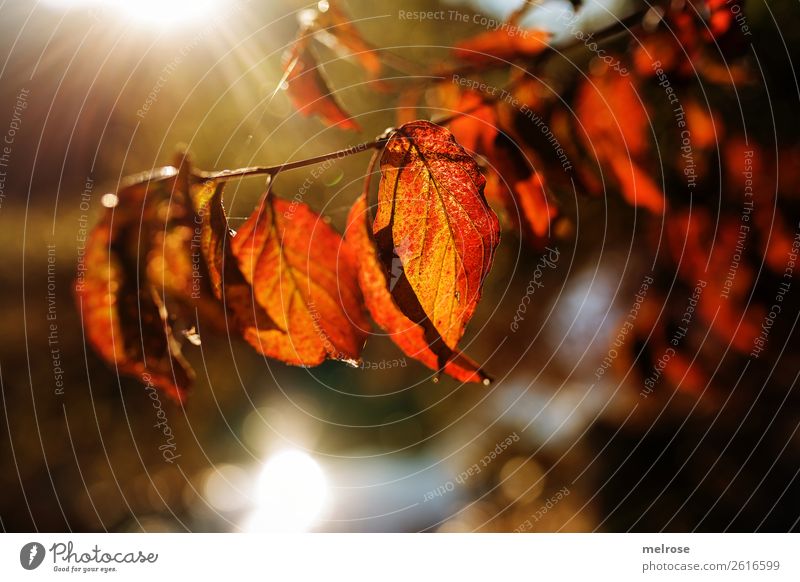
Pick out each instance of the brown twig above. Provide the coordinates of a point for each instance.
(224, 175)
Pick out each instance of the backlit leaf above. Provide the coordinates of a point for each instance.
(308, 89)
(476, 129)
(616, 126)
(287, 279)
(124, 316)
(304, 278)
(417, 340)
(227, 281)
(435, 233)
(521, 190)
(336, 23)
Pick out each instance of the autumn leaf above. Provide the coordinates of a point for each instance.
(535, 155)
(611, 108)
(417, 340)
(339, 31)
(521, 190)
(287, 279)
(512, 182)
(173, 261)
(706, 129)
(616, 126)
(649, 338)
(124, 315)
(537, 210)
(636, 185)
(435, 233)
(696, 42)
(304, 278)
(476, 128)
(701, 249)
(505, 43)
(408, 104)
(309, 91)
(227, 281)
(660, 50)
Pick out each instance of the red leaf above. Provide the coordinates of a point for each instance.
(337, 26)
(304, 278)
(476, 129)
(522, 191)
(308, 89)
(637, 187)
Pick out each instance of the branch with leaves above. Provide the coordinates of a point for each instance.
(416, 260)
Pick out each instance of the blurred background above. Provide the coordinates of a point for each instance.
(93, 91)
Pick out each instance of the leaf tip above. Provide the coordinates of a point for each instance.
(352, 362)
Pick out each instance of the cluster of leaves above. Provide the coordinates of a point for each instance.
(416, 260)
(677, 52)
(293, 287)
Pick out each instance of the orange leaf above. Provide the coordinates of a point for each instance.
(435, 233)
(616, 128)
(287, 279)
(697, 255)
(227, 281)
(504, 43)
(308, 89)
(637, 187)
(418, 341)
(610, 109)
(476, 129)
(124, 317)
(536, 209)
(706, 130)
(521, 190)
(305, 279)
(344, 34)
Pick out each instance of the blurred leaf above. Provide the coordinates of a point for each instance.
(504, 44)
(347, 38)
(124, 316)
(308, 89)
(616, 128)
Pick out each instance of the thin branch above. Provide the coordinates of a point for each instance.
(225, 175)
(619, 26)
